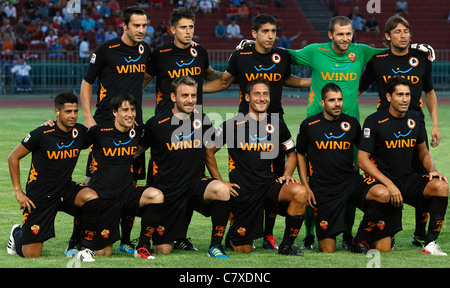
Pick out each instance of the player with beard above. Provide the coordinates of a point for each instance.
(176, 140)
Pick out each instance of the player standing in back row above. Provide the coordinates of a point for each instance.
(401, 61)
(119, 65)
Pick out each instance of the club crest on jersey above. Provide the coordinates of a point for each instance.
(241, 231)
(411, 123)
(352, 56)
(276, 58)
(197, 124)
(160, 230)
(413, 61)
(141, 49)
(74, 133)
(270, 128)
(132, 133)
(345, 126)
(324, 224)
(105, 234)
(194, 52)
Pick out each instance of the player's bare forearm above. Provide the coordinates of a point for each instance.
(297, 82)
(212, 74)
(147, 79)
(86, 98)
(211, 162)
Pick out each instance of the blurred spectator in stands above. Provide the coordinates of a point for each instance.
(149, 32)
(114, 7)
(192, 4)
(99, 24)
(10, 10)
(157, 41)
(20, 29)
(280, 4)
(284, 41)
(205, 6)
(143, 3)
(220, 30)
(176, 4)
(100, 36)
(236, 3)
(43, 10)
(58, 19)
(162, 30)
(215, 4)
(57, 50)
(94, 13)
(243, 12)
(67, 41)
(87, 23)
(29, 6)
(75, 24)
(50, 38)
(357, 22)
(84, 50)
(372, 24)
(104, 10)
(448, 16)
(2, 13)
(401, 7)
(23, 79)
(35, 16)
(21, 47)
(35, 32)
(231, 12)
(110, 34)
(234, 30)
(156, 3)
(9, 41)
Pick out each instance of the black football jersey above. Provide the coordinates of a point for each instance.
(391, 141)
(177, 150)
(413, 66)
(113, 152)
(169, 62)
(328, 147)
(54, 157)
(252, 145)
(119, 68)
(248, 64)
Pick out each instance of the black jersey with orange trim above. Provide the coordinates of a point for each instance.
(169, 62)
(391, 141)
(248, 64)
(328, 146)
(413, 66)
(119, 68)
(177, 150)
(252, 146)
(54, 156)
(113, 152)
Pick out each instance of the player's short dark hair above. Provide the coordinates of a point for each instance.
(122, 97)
(180, 13)
(259, 80)
(65, 97)
(125, 14)
(339, 20)
(393, 82)
(329, 87)
(183, 80)
(262, 19)
(391, 24)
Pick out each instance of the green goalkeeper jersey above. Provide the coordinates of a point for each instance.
(341, 69)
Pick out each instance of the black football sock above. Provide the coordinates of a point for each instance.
(438, 207)
(17, 235)
(219, 218)
(150, 219)
(293, 225)
(372, 214)
(89, 220)
(126, 225)
(350, 211)
(421, 222)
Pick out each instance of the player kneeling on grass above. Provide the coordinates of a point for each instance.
(114, 145)
(175, 137)
(49, 189)
(253, 141)
(386, 148)
(325, 144)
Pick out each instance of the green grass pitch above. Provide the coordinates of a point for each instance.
(17, 122)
